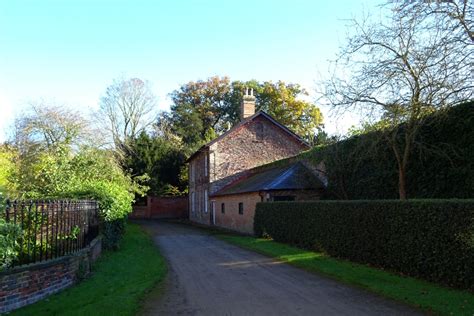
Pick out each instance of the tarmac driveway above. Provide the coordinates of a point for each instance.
(210, 277)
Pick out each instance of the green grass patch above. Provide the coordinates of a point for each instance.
(120, 280)
(424, 295)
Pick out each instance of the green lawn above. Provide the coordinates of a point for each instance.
(426, 296)
(120, 280)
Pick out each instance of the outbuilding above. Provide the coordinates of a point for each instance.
(236, 202)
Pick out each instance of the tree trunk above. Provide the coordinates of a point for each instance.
(402, 164)
(402, 183)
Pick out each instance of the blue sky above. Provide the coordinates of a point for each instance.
(70, 51)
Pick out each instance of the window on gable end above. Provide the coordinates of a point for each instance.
(259, 131)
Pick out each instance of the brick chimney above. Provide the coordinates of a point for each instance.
(247, 108)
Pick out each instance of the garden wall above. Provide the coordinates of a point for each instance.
(161, 207)
(24, 285)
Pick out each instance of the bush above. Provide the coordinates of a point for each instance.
(87, 174)
(112, 233)
(9, 246)
(430, 239)
(69, 165)
(115, 203)
(441, 164)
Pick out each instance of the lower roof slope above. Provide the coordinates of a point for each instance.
(295, 176)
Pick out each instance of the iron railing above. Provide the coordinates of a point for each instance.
(52, 229)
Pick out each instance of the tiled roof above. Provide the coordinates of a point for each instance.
(295, 176)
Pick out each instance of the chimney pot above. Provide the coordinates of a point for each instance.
(247, 108)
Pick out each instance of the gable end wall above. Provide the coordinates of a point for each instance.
(244, 149)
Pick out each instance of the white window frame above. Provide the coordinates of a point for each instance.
(212, 166)
(199, 202)
(206, 201)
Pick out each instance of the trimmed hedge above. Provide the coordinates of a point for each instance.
(429, 239)
(441, 165)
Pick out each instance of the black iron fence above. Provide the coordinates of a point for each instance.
(52, 229)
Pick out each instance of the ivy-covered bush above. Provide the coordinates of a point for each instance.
(9, 246)
(441, 164)
(429, 239)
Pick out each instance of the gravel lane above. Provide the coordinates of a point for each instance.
(210, 277)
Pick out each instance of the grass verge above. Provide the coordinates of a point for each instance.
(424, 295)
(120, 280)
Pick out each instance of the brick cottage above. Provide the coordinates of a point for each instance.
(226, 173)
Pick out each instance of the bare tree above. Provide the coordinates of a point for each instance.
(455, 16)
(126, 109)
(399, 71)
(47, 125)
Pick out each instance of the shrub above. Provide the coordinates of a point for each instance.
(71, 164)
(115, 203)
(9, 246)
(112, 232)
(441, 165)
(430, 239)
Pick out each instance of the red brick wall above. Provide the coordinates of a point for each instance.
(242, 150)
(243, 223)
(24, 285)
(140, 212)
(162, 207)
(227, 158)
(231, 219)
(198, 184)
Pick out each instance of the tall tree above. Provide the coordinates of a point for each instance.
(157, 158)
(54, 152)
(398, 70)
(284, 102)
(127, 109)
(48, 125)
(202, 105)
(211, 107)
(454, 16)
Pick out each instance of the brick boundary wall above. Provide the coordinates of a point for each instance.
(27, 284)
(162, 207)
